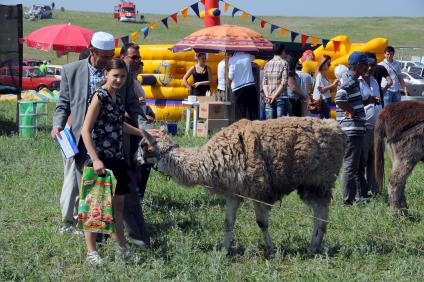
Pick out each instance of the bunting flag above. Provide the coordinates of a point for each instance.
(304, 39)
(195, 8)
(336, 46)
(226, 6)
(125, 39)
(184, 12)
(253, 19)
(244, 16)
(174, 17)
(145, 31)
(116, 42)
(203, 2)
(134, 37)
(314, 41)
(283, 31)
(165, 22)
(273, 27)
(235, 10)
(324, 42)
(263, 23)
(152, 26)
(293, 35)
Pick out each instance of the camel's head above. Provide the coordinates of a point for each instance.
(151, 150)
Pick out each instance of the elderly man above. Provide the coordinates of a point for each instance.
(351, 115)
(79, 80)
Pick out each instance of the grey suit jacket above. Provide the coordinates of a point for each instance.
(73, 100)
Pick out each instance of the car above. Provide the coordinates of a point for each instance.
(414, 83)
(55, 70)
(31, 62)
(40, 12)
(32, 78)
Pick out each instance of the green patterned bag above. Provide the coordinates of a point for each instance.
(95, 212)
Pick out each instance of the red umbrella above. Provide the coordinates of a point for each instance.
(63, 38)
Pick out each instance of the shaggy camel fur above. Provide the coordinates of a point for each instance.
(403, 125)
(263, 160)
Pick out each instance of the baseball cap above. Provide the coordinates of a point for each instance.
(359, 57)
(103, 41)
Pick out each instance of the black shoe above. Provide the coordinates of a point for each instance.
(348, 202)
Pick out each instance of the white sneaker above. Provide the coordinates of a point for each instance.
(139, 243)
(70, 229)
(94, 258)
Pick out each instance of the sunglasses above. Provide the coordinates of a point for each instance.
(135, 57)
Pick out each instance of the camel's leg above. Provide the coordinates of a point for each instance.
(262, 216)
(320, 209)
(232, 205)
(400, 171)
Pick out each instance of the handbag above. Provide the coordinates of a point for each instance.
(95, 211)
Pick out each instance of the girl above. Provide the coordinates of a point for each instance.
(294, 89)
(202, 76)
(323, 87)
(102, 135)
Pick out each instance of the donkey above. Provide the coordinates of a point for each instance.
(402, 124)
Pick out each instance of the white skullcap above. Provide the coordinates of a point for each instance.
(103, 41)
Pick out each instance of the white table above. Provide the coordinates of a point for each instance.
(195, 107)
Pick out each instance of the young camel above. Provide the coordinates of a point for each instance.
(402, 124)
(263, 160)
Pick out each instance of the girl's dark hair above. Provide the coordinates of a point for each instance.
(116, 63)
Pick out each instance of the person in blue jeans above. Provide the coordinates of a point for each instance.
(323, 87)
(393, 93)
(274, 84)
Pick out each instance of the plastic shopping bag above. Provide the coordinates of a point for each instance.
(95, 212)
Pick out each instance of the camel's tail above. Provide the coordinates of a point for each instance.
(379, 134)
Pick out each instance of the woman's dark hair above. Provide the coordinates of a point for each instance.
(116, 63)
(292, 61)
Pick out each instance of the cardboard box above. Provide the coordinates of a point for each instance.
(213, 110)
(205, 99)
(210, 126)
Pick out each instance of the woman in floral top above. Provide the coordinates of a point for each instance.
(102, 135)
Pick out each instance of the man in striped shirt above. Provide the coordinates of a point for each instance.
(351, 115)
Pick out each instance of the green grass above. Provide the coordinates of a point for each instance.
(399, 31)
(186, 226)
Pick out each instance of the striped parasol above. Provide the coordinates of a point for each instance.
(223, 38)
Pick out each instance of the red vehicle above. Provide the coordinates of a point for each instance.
(125, 12)
(32, 78)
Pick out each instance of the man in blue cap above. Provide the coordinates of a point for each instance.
(351, 115)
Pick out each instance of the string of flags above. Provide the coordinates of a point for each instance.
(304, 38)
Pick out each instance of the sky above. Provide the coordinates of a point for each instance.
(314, 8)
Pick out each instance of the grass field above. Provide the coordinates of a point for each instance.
(399, 31)
(364, 243)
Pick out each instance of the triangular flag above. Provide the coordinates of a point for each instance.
(336, 46)
(293, 35)
(195, 8)
(134, 37)
(184, 12)
(145, 31)
(244, 16)
(125, 39)
(253, 19)
(174, 17)
(273, 27)
(325, 42)
(235, 10)
(283, 31)
(304, 39)
(116, 42)
(314, 41)
(152, 26)
(165, 22)
(226, 7)
(263, 23)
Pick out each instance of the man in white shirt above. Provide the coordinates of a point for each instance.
(243, 86)
(392, 94)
